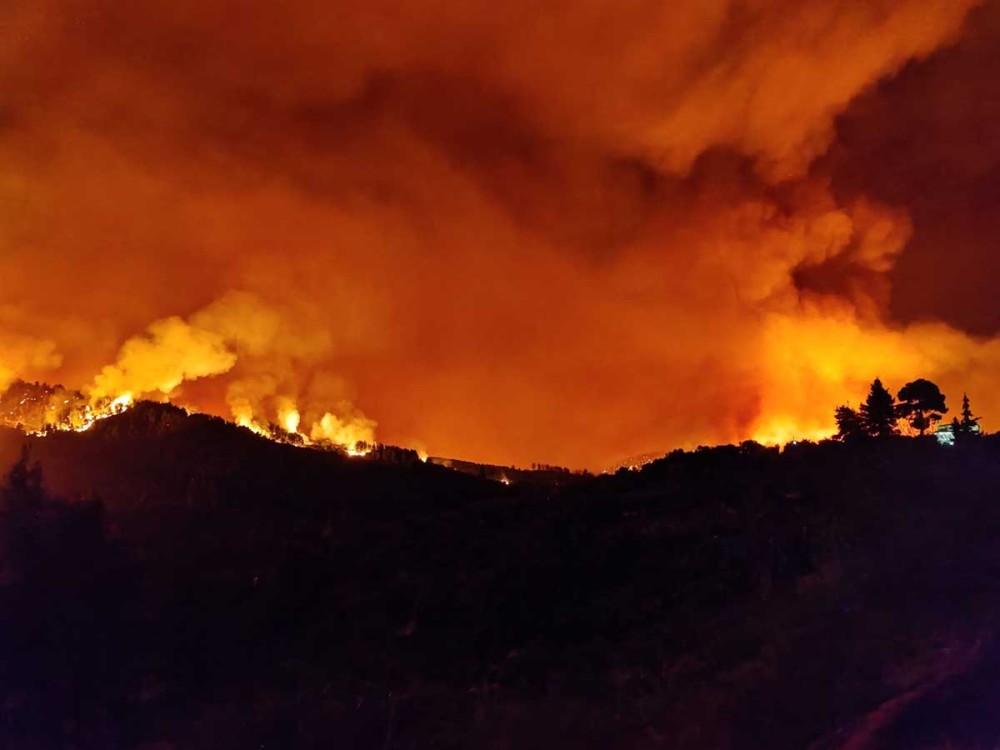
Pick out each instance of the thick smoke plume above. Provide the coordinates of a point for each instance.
(516, 232)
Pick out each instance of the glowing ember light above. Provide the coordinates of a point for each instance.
(258, 429)
(782, 432)
(352, 431)
(290, 421)
(120, 404)
(85, 419)
(360, 448)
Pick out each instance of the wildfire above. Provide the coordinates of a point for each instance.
(226, 338)
(354, 439)
(290, 421)
(39, 409)
(87, 416)
(352, 434)
(781, 432)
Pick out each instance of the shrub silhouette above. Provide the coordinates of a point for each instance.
(850, 424)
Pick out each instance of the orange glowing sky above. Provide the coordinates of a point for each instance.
(510, 232)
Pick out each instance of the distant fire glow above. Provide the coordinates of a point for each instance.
(781, 434)
(509, 233)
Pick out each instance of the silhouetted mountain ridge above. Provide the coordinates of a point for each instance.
(158, 453)
(235, 592)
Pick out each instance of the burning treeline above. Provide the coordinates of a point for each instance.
(173, 351)
(39, 409)
(513, 233)
(241, 337)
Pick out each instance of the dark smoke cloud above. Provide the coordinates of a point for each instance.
(927, 141)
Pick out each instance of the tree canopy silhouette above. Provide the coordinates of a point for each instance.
(878, 412)
(921, 404)
(850, 424)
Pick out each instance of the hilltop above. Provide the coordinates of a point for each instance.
(159, 455)
(233, 592)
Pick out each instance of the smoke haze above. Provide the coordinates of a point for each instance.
(509, 232)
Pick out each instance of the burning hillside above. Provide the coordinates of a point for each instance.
(39, 409)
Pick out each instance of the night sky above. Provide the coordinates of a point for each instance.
(564, 232)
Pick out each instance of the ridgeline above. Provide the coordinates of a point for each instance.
(172, 581)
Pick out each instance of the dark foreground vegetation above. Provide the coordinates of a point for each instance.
(233, 593)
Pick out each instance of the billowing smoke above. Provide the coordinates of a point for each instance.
(516, 232)
(236, 329)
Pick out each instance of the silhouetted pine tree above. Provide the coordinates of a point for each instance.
(879, 411)
(968, 425)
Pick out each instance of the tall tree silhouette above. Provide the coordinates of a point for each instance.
(968, 424)
(921, 403)
(879, 411)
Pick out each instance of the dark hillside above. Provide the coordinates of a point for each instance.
(158, 455)
(237, 593)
